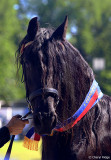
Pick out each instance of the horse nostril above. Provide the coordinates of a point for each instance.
(45, 122)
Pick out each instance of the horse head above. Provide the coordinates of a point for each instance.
(52, 72)
(39, 69)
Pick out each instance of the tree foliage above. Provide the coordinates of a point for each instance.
(89, 31)
(9, 38)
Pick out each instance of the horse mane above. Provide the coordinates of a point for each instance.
(72, 75)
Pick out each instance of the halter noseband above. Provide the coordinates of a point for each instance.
(43, 92)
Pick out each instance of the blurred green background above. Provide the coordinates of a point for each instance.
(89, 30)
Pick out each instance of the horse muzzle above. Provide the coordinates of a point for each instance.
(44, 122)
(44, 116)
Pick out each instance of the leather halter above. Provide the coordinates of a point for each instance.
(44, 92)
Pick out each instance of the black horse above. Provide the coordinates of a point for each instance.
(53, 69)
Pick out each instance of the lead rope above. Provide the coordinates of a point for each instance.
(8, 153)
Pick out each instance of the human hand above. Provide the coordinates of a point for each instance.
(16, 125)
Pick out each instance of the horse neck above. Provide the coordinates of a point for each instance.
(77, 80)
(56, 146)
(60, 145)
(74, 87)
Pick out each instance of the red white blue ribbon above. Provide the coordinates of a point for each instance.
(93, 96)
(31, 140)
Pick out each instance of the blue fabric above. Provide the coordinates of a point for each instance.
(30, 133)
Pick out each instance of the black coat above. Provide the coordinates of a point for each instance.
(4, 136)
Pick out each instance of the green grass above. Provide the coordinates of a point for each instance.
(20, 153)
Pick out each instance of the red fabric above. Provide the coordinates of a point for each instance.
(37, 137)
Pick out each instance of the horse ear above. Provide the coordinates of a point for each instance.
(60, 32)
(32, 28)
